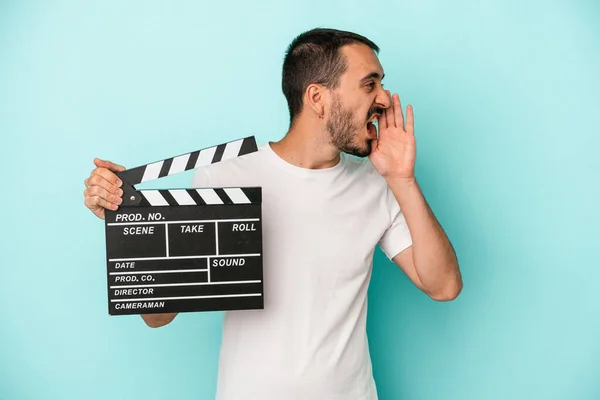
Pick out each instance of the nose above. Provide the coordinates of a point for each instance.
(384, 98)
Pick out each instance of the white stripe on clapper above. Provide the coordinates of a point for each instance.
(232, 149)
(155, 198)
(168, 271)
(206, 156)
(216, 241)
(182, 197)
(179, 164)
(209, 196)
(185, 284)
(237, 195)
(208, 268)
(210, 296)
(186, 221)
(167, 240)
(152, 170)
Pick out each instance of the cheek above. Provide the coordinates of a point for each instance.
(363, 114)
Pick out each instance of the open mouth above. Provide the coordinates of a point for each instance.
(371, 129)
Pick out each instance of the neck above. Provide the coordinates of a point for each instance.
(306, 145)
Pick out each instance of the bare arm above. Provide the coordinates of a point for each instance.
(158, 320)
(430, 262)
(102, 191)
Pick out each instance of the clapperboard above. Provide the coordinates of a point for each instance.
(185, 250)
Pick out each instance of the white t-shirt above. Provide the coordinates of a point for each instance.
(320, 229)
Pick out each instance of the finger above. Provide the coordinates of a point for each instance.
(374, 144)
(410, 124)
(108, 165)
(390, 113)
(382, 121)
(98, 191)
(95, 202)
(98, 180)
(398, 115)
(108, 175)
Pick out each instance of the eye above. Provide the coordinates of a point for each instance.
(371, 85)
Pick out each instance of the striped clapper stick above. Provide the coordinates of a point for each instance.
(185, 250)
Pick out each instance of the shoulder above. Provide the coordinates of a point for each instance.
(362, 169)
(240, 163)
(371, 184)
(237, 168)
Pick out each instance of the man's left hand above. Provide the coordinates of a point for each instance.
(394, 152)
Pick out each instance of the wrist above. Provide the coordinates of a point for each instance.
(401, 181)
(403, 188)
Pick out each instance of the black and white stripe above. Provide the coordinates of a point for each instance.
(193, 160)
(203, 196)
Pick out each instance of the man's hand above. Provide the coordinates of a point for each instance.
(102, 191)
(395, 151)
(430, 262)
(102, 188)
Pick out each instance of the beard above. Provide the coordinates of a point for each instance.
(344, 130)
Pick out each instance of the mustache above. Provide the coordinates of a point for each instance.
(374, 110)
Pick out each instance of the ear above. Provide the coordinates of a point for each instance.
(315, 98)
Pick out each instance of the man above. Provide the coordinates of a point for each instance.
(333, 189)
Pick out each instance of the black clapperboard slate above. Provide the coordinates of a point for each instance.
(185, 250)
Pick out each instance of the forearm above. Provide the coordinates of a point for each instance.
(158, 320)
(434, 258)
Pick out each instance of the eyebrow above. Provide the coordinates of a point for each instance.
(373, 75)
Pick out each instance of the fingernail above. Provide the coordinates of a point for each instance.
(119, 182)
(119, 192)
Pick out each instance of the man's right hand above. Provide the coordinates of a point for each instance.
(102, 191)
(103, 188)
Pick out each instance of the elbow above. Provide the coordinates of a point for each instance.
(156, 320)
(450, 292)
(154, 324)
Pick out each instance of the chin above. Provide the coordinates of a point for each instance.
(359, 151)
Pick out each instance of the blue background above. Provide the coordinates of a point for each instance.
(506, 111)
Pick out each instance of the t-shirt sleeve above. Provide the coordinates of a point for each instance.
(397, 237)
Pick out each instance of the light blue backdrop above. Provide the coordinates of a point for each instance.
(506, 105)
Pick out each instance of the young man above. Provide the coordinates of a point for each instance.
(333, 189)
